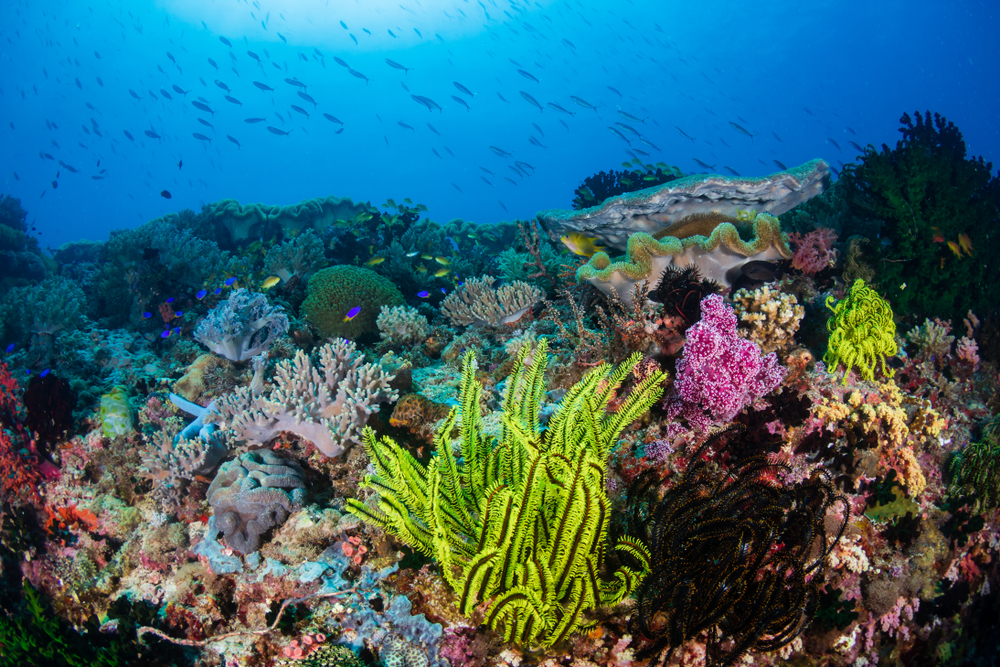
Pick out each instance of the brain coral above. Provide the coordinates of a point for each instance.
(335, 290)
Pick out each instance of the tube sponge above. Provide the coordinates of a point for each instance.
(862, 332)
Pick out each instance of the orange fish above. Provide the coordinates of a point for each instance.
(937, 238)
(955, 249)
(966, 243)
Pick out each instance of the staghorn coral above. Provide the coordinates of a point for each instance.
(402, 325)
(720, 372)
(862, 332)
(768, 317)
(242, 326)
(327, 405)
(299, 257)
(477, 303)
(254, 493)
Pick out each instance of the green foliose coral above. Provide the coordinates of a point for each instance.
(929, 195)
(862, 332)
(333, 292)
(520, 521)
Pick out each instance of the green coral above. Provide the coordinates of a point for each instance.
(520, 521)
(862, 332)
(926, 189)
(334, 291)
(975, 470)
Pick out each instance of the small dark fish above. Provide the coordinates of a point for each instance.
(741, 130)
(300, 110)
(559, 108)
(856, 147)
(226, 42)
(457, 188)
(166, 194)
(254, 120)
(777, 137)
(535, 142)
(427, 102)
(531, 100)
(702, 164)
(510, 180)
(150, 134)
(461, 101)
(731, 170)
(618, 134)
(180, 163)
(404, 125)
(274, 130)
(296, 83)
(613, 90)
(500, 152)
(358, 74)
(683, 133)
(254, 56)
(629, 116)
(781, 165)
(200, 136)
(393, 34)
(263, 86)
(808, 111)
(535, 125)
(528, 75)
(204, 107)
(206, 123)
(212, 63)
(343, 25)
(134, 94)
(230, 98)
(55, 184)
(523, 165)
(129, 135)
(462, 89)
(583, 103)
(432, 129)
(99, 82)
(308, 98)
(153, 95)
(850, 130)
(232, 139)
(449, 151)
(78, 84)
(393, 63)
(341, 62)
(434, 150)
(486, 181)
(282, 37)
(332, 119)
(835, 144)
(502, 98)
(222, 85)
(487, 171)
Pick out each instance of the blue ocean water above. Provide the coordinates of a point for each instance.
(94, 128)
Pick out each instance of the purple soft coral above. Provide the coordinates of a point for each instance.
(720, 373)
(242, 326)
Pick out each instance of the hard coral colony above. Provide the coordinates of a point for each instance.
(713, 449)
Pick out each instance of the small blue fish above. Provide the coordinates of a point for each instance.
(201, 294)
(423, 295)
(43, 373)
(230, 281)
(170, 300)
(10, 348)
(218, 291)
(146, 315)
(165, 334)
(352, 313)
(27, 371)
(444, 291)
(179, 313)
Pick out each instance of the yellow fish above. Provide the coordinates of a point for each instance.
(580, 244)
(443, 261)
(955, 249)
(425, 256)
(375, 261)
(421, 269)
(966, 243)
(270, 282)
(441, 272)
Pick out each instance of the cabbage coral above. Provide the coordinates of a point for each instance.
(861, 332)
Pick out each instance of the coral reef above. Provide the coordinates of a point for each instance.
(814, 251)
(602, 185)
(712, 243)
(253, 494)
(478, 303)
(402, 325)
(862, 332)
(299, 257)
(333, 293)
(768, 317)
(242, 326)
(653, 210)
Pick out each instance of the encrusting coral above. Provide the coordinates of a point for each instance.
(327, 405)
(862, 332)
(522, 521)
(768, 317)
(477, 303)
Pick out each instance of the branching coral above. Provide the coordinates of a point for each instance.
(241, 327)
(520, 522)
(477, 303)
(862, 332)
(327, 405)
(738, 556)
(402, 325)
(174, 460)
(768, 317)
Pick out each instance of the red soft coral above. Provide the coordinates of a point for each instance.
(813, 251)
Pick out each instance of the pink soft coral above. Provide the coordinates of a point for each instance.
(813, 251)
(720, 373)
